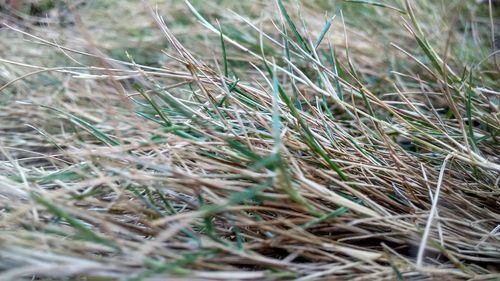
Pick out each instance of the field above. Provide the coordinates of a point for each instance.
(249, 140)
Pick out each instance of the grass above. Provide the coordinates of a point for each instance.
(249, 140)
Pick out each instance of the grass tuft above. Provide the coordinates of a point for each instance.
(249, 140)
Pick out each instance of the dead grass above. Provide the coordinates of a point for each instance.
(138, 143)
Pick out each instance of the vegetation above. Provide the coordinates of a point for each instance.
(259, 140)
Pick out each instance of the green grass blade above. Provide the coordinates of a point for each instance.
(325, 29)
(307, 133)
(224, 55)
(103, 137)
(292, 26)
(377, 4)
(157, 108)
(86, 233)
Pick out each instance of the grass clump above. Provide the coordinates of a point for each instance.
(262, 141)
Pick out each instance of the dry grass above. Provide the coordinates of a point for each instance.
(138, 143)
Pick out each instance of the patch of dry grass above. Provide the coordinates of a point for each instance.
(139, 142)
